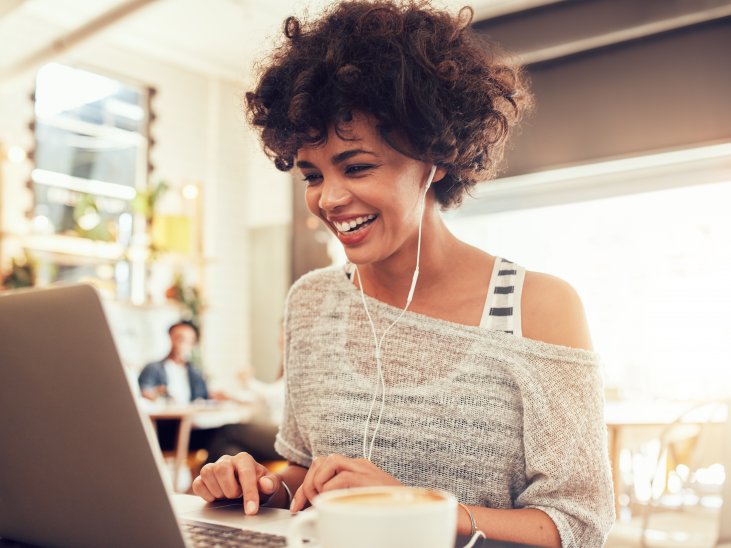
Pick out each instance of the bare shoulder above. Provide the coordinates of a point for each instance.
(552, 312)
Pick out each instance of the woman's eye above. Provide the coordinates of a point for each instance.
(353, 170)
(312, 178)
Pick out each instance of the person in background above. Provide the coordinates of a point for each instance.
(174, 378)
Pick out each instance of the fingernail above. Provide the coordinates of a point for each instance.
(250, 507)
(291, 506)
(267, 484)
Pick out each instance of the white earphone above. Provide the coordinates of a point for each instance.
(368, 450)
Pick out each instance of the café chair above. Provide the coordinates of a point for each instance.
(724, 526)
(687, 478)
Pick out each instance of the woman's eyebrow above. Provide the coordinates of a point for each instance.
(338, 158)
(345, 155)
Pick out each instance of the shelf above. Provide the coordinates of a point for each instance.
(129, 305)
(85, 186)
(74, 125)
(174, 259)
(70, 245)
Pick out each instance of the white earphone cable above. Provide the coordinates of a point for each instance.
(368, 450)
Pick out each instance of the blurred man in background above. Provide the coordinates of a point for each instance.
(174, 378)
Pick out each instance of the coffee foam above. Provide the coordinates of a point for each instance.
(400, 498)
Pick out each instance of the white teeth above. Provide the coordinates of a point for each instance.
(348, 226)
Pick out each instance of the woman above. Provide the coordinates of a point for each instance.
(426, 361)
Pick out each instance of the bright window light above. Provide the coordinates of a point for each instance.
(653, 270)
(61, 88)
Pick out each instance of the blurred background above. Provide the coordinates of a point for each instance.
(127, 163)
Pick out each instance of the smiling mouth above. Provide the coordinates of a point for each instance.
(355, 225)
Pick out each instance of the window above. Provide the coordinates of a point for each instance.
(652, 268)
(91, 159)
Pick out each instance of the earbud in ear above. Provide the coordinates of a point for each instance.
(430, 178)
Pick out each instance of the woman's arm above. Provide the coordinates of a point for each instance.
(528, 525)
(292, 476)
(552, 312)
(564, 436)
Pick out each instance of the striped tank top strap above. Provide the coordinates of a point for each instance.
(502, 306)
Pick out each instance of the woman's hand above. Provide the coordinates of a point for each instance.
(233, 477)
(338, 472)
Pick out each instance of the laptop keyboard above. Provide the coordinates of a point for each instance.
(211, 534)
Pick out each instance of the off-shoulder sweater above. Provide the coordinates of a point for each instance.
(501, 421)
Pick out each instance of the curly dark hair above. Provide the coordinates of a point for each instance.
(186, 323)
(420, 72)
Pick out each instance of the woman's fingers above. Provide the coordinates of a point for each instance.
(248, 472)
(227, 480)
(344, 480)
(307, 490)
(200, 489)
(322, 470)
(338, 472)
(208, 477)
(299, 500)
(233, 477)
(269, 484)
(332, 466)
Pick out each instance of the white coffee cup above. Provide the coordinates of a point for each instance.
(386, 517)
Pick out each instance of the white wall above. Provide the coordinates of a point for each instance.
(270, 191)
(200, 136)
(269, 202)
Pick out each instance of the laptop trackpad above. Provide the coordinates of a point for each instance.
(231, 513)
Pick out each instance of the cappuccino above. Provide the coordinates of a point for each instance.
(410, 497)
(386, 517)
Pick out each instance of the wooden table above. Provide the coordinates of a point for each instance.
(206, 414)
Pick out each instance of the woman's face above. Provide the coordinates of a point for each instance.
(368, 194)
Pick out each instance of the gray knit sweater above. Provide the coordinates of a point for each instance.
(499, 420)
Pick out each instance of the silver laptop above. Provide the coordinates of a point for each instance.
(79, 464)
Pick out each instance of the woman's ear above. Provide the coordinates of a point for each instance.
(439, 174)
